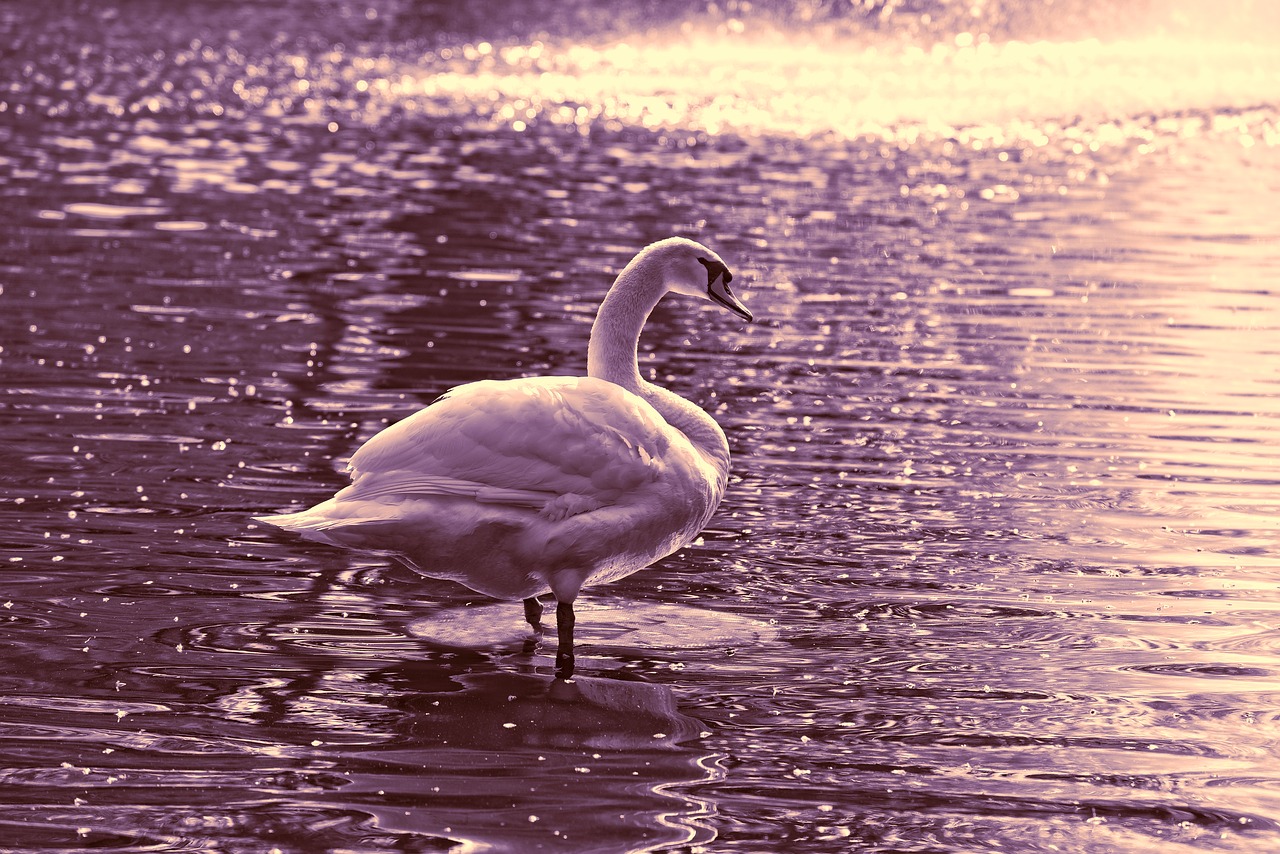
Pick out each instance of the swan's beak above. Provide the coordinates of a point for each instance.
(718, 291)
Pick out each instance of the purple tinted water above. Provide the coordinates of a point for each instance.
(998, 567)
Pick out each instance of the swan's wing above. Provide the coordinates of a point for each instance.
(379, 486)
(563, 445)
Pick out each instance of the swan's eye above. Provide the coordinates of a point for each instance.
(714, 269)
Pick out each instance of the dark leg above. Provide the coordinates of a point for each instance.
(564, 632)
(533, 613)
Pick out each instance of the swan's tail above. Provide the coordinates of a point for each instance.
(312, 524)
(348, 524)
(305, 520)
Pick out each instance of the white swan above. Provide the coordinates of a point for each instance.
(517, 487)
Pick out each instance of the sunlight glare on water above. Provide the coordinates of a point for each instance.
(998, 564)
(777, 83)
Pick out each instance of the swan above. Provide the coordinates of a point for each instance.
(520, 487)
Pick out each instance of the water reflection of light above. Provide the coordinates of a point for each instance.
(1170, 380)
(786, 84)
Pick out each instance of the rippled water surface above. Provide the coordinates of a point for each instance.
(999, 566)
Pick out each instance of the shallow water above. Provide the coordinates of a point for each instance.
(1000, 563)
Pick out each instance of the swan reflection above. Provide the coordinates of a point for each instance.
(497, 710)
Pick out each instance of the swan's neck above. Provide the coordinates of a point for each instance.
(616, 333)
(612, 355)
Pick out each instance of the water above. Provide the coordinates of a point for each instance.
(1000, 564)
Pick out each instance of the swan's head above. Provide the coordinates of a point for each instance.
(694, 270)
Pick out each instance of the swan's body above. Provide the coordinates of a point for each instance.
(519, 487)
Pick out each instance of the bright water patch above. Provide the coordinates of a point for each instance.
(1065, 75)
(1087, 92)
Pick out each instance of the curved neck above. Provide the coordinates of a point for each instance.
(615, 335)
(612, 356)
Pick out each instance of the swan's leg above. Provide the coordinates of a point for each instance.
(564, 633)
(533, 613)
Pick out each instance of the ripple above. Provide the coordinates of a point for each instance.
(64, 831)
(299, 637)
(609, 626)
(100, 210)
(181, 225)
(116, 709)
